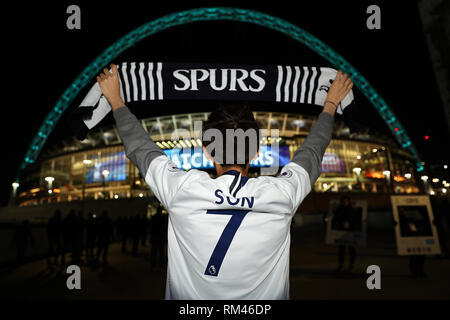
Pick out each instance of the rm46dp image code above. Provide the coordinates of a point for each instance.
(226, 309)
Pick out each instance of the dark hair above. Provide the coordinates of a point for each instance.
(232, 116)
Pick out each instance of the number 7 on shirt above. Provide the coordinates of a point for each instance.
(219, 252)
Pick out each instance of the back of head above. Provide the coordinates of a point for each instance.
(239, 132)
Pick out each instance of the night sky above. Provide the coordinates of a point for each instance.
(41, 58)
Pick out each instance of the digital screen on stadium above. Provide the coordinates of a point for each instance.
(114, 163)
(332, 163)
(197, 160)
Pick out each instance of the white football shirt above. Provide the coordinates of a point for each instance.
(228, 237)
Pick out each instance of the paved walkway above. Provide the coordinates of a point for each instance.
(312, 275)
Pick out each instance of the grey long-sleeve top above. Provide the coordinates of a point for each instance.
(141, 150)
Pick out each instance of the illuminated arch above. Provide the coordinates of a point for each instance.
(213, 14)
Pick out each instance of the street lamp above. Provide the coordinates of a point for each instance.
(105, 174)
(408, 176)
(387, 174)
(15, 186)
(357, 170)
(86, 162)
(49, 181)
(424, 179)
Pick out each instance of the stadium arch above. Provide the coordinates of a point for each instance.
(215, 14)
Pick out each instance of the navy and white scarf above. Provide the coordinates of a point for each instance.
(153, 81)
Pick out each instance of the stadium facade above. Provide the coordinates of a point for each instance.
(97, 168)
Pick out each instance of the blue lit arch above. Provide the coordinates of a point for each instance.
(212, 14)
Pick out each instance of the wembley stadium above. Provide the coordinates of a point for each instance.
(96, 168)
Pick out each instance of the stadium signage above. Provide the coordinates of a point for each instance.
(194, 158)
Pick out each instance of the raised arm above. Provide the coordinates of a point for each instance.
(139, 147)
(310, 154)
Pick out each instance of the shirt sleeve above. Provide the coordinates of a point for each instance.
(310, 154)
(297, 178)
(160, 173)
(139, 147)
(166, 179)
(293, 186)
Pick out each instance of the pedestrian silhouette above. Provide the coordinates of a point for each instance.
(344, 219)
(68, 227)
(122, 232)
(91, 235)
(144, 230)
(158, 235)
(441, 211)
(54, 237)
(135, 232)
(78, 237)
(105, 234)
(22, 240)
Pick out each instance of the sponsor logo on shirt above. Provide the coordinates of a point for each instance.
(172, 167)
(286, 174)
(212, 269)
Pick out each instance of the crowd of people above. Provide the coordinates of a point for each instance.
(88, 240)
